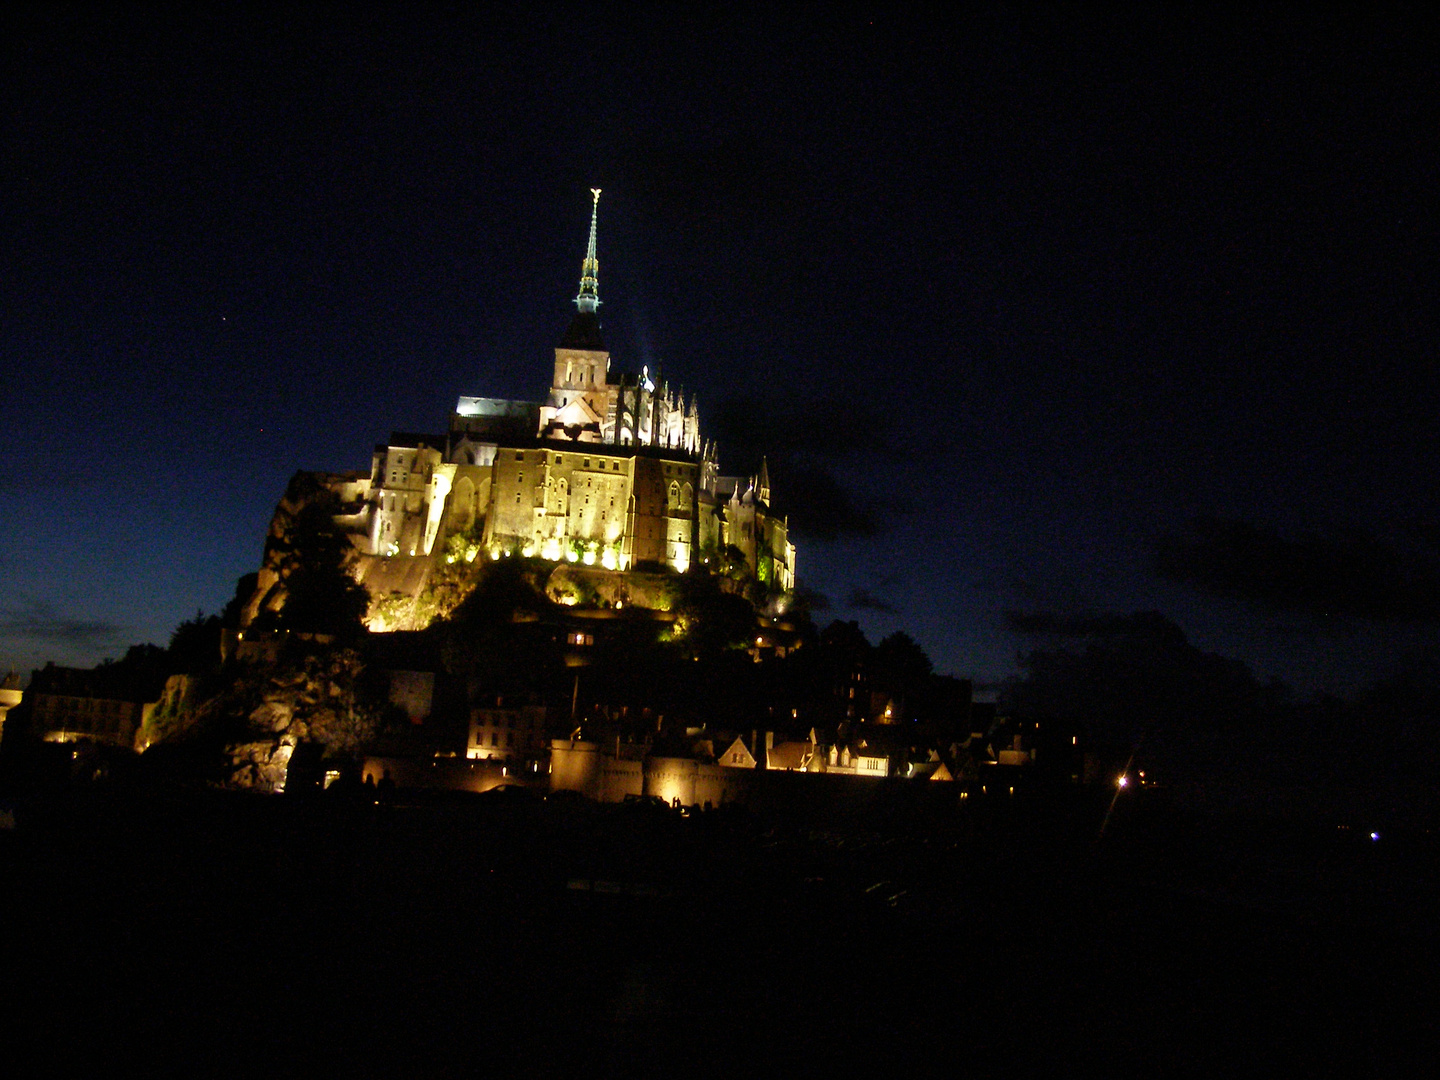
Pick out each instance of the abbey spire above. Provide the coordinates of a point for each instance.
(584, 332)
(588, 299)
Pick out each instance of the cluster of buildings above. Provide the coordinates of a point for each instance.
(103, 706)
(526, 741)
(609, 471)
(610, 478)
(979, 752)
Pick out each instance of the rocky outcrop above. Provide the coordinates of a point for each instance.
(319, 699)
(261, 766)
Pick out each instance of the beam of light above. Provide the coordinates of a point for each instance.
(1119, 787)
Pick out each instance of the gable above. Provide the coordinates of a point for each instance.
(577, 412)
(737, 755)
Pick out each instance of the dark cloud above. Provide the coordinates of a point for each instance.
(865, 600)
(811, 599)
(800, 446)
(1052, 624)
(1347, 573)
(820, 508)
(40, 622)
(747, 429)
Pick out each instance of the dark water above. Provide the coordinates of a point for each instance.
(223, 934)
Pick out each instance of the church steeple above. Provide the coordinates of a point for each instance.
(584, 332)
(588, 299)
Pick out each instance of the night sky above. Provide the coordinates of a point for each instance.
(1039, 315)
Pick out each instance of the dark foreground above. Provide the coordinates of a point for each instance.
(221, 934)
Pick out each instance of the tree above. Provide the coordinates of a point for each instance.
(901, 668)
(195, 644)
(312, 558)
(137, 676)
(493, 633)
(711, 620)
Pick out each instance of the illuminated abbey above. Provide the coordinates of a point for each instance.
(608, 472)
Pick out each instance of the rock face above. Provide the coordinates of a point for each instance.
(261, 766)
(319, 699)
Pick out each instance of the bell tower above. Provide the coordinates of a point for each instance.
(580, 393)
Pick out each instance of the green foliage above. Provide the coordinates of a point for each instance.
(573, 589)
(451, 580)
(393, 611)
(464, 547)
(732, 562)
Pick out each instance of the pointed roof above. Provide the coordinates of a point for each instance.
(746, 759)
(588, 299)
(584, 331)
